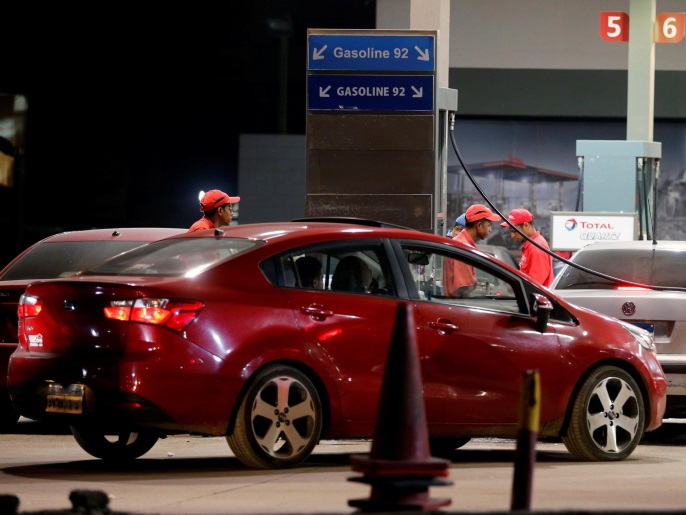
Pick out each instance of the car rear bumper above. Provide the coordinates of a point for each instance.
(146, 391)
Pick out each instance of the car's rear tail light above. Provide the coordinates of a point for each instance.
(119, 310)
(170, 313)
(29, 306)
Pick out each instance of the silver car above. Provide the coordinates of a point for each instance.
(660, 310)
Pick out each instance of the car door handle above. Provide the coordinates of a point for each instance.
(316, 311)
(443, 326)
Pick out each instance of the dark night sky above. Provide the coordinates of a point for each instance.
(131, 113)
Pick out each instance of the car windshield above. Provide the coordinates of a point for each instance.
(58, 259)
(657, 267)
(184, 256)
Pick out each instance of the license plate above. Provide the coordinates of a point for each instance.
(648, 327)
(65, 399)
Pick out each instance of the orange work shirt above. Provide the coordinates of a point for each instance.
(459, 278)
(203, 223)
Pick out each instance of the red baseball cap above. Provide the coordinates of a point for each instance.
(518, 217)
(216, 198)
(479, 212)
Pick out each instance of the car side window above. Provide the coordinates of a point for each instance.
(451, 279)
(361, 269)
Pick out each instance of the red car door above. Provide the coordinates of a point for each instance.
(349, 335)
(476, 347)
(474, 360)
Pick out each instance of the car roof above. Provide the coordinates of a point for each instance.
(120, 233)
(315, 231)
(281, 236)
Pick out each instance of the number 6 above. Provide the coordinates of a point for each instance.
(669, 27)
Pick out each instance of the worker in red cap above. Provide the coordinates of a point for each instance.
(535, 263)
(459, 279)
(217, 209)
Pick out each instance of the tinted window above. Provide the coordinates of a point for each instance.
(646, 266)
(345, 268)
(59, 259)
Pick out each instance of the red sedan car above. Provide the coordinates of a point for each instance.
(276, 335)
(56, 256)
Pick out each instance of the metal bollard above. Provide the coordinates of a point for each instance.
(525, 453)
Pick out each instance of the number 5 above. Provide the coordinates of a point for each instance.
(614, 26)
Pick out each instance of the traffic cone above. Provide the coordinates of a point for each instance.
(400, 468)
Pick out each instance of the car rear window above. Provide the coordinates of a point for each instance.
(174, 257)
(646, 266)
(58, 259)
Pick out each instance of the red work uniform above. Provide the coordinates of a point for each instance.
(536, 263)
(203, 223)
(458, 278)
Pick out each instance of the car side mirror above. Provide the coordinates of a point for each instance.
(541, 307)
(418, 258)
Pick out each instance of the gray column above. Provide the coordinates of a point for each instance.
(641, 78)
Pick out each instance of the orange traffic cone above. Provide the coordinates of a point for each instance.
(399, 467)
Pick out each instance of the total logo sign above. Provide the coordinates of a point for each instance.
(573, 232)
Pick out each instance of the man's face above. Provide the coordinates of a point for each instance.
(515, 235)
(226, 213)
(483, 229)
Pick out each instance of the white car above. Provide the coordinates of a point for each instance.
(660, 310)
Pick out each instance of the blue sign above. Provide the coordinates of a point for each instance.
(413, 53)
(370, 92)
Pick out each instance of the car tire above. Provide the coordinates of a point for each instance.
(8, 417)
(266, 434)
(607, 416)
(444, 447)
(113, 446)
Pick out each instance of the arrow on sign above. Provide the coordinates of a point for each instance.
(423, 54)
(370, 92)
(317, 53)
(366, 52)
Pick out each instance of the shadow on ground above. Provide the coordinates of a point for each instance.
(33, 427)
(669, 433)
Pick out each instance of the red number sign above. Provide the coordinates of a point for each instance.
(670, 27)
(614, 26)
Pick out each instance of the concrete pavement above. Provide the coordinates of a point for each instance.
(188, 474)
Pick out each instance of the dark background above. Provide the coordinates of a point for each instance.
(132, 112)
